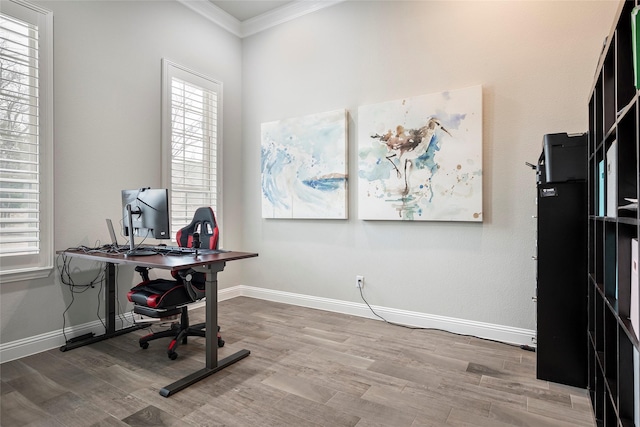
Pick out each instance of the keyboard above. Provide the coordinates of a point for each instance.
(160, 249)
(179, 250)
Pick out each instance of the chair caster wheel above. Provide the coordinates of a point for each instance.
(173, 355)
(144, 345)
(220, 342)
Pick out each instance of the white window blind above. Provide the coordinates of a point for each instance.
(19, 172)
(192, 113)
(26, 173)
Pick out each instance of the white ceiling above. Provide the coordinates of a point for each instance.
(246, 17)
(247, 9)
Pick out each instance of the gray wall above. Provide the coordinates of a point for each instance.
(535, 61)
(107, 72)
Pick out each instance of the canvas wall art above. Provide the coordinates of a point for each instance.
(420, 158)
(304, 167)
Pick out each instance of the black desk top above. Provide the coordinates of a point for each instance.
(167, 262)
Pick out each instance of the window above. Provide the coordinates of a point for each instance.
(191, 118)
(26, 141)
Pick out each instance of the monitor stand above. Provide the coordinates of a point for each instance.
(133, 251)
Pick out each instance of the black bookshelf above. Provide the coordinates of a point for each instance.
(613, 122)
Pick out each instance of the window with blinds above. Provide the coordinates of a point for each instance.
(25, 139)
(191, 142)
(19, 155)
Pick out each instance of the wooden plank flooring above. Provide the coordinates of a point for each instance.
(307, 368)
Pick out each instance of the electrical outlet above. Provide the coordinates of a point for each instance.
(359, 281)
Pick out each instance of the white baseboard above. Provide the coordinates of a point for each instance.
(47, 341)
(489, 331)
(39, 343)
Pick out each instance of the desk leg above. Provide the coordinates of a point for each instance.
(110, 298)
(110, 315)
(212, 364)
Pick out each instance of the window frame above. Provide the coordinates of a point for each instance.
(37, 266)
(170, 70)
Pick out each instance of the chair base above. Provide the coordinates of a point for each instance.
(179, 332)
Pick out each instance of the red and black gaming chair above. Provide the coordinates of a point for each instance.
(162, 298)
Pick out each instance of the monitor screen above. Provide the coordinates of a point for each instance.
(149, 211)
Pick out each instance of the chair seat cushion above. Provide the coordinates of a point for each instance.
(159, 293)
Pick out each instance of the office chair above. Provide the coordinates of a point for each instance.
(162, 298)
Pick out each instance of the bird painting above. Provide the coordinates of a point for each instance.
(420, 157)
(407, 145)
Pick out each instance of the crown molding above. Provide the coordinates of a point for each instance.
(283, 14)
(214, 14)
(260, 23)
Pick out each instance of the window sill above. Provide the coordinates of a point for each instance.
(25, 274)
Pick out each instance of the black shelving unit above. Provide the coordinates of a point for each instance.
(613, 122)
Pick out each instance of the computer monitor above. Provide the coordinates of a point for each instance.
(145, 213)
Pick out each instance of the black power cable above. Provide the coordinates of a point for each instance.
(63, 263)
(523, 347)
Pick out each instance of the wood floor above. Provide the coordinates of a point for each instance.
(307, 368)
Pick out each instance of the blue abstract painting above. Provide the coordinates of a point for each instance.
(420, 158)
(304, 167)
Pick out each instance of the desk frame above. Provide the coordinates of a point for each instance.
(110, 318)
(210, 264)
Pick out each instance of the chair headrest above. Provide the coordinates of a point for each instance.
(203, 222)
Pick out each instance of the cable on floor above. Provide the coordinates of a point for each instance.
(522, 346)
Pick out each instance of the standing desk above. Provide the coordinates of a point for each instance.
(211, 264)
